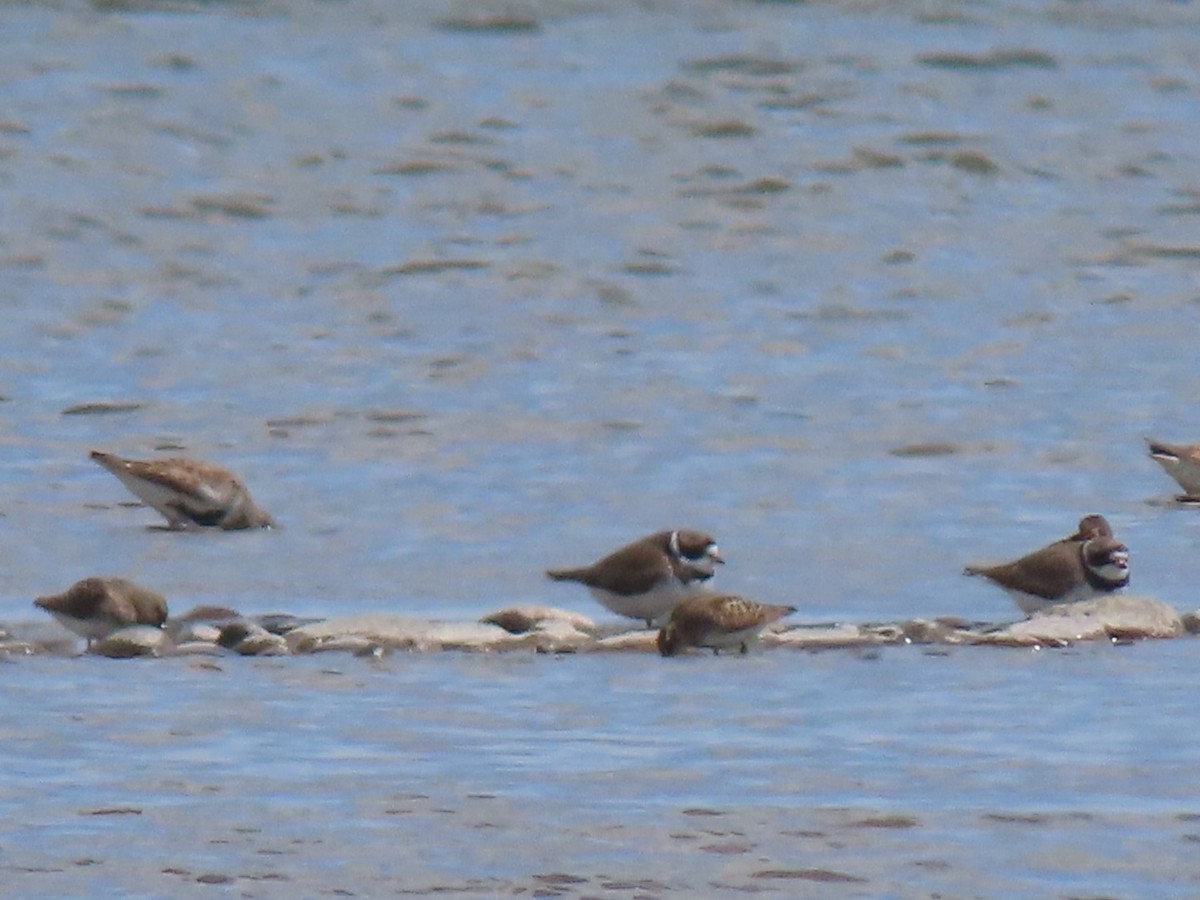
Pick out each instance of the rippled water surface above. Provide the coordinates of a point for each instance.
(468, 290)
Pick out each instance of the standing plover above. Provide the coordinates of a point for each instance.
(645, 579)
(1080, 567)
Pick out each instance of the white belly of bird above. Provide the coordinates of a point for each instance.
(92, 629)
(157, 496)
(1031, 603)
(731, 640)
(1186, 472)
(654, 604)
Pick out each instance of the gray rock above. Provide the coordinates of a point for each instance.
(13, 647)
(197, 648)
(137, 640)
(560, 636)
(524, 618)
(395, 632)
(823, 637)
(936, 631)
(641, 641)
(1115, 617)
(251, 639)
(208, 613)
(281, 623)
(1191, 622)
(183, 632)
(200, 623)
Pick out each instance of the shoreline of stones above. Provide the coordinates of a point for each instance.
(216, 631)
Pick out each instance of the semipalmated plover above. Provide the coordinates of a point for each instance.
(95, 607)
(188, 492)
(1181, 462)
(645, 579)
(1068, 570)
(719, 621)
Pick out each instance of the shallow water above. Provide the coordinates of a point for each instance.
(868, 293)
(968, 773)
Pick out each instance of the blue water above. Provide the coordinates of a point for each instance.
(424, 770)
(649, 338)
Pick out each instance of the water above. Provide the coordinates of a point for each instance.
(722, 265)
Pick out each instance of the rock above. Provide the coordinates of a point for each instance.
(251, 639)
(520, 619)
(281, 623)
(12, 647)
(1113, 617)
(200, 623)
(938, 631)
(205, 623)
(136, 640)
(560, 636)
(207, 613)
(352, 644)
(820, 637)
(642, 640)
(396, 632)
(197, 648)
(191, 632)
(1191, 622)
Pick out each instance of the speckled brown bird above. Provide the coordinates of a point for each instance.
(95, 607)
(718, 621)
(645, 579)
(189, 493)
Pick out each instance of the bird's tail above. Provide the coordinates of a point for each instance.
(566, 574)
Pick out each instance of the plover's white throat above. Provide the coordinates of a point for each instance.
(189, 493)
(647, 578)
